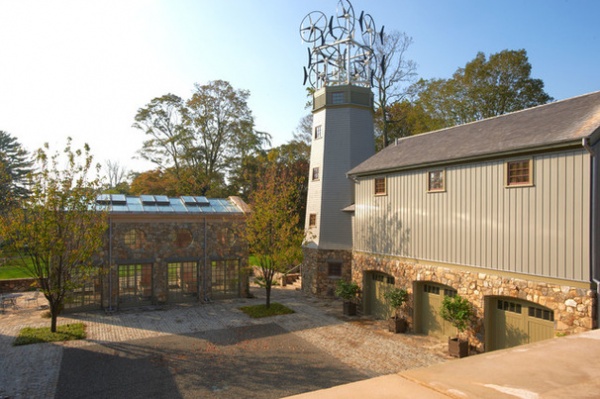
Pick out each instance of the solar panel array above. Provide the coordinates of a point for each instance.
(120, 203)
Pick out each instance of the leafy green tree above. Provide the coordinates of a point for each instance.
(221, 130)
(405, 119)
(15, 165)
(482, 89)
(272, 228)
(392, 76)
(162, 121)
(57, 232)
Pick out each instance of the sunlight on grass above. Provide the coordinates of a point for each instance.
(259, 311)
(66, 332)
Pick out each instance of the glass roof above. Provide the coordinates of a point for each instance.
(119, 203)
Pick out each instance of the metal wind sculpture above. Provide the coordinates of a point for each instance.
(341, 51)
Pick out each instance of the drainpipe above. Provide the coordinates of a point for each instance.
(109, 264)
(204, 284)
(585, 142)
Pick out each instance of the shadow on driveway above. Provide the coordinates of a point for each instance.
(255, 361)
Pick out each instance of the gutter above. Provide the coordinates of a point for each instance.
(585, 142)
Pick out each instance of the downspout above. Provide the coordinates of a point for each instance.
(204, 284)
(109, 264)
(585, 142)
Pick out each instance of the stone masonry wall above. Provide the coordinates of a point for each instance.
(162, 241)
(573, 307)
(315, 272)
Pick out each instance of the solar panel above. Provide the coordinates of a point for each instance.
(188, 200)
(148, 199)
(202, 201)
(161, 199)
(103, 199)
(118, 199)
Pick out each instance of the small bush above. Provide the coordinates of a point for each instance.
(68, 332)
(259, 311)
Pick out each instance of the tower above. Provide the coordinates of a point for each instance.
(339, 70)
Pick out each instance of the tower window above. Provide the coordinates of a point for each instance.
(337, 97)
(315, 173)
(380, 186)
(318, 132)
(312, 220)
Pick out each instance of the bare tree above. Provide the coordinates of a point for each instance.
(115, 173)
(392, 76)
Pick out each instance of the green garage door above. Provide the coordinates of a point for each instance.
(515, 322)
(428, 317)
(378, 285)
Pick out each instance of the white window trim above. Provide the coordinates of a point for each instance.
(437, 190)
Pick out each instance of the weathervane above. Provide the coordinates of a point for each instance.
(339, 56)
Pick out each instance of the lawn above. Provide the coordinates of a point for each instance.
(259, 311)
(68, 332)
(11, 269)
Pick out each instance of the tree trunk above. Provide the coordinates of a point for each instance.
(54, 310)
(268, 292)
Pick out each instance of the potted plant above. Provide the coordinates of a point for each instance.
(458, 311)
(397, 297)
(348, 292)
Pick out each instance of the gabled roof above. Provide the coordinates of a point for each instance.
(558, 123)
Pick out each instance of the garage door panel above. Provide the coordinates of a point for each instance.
(431, 323)
(516, 322)
(379, 284)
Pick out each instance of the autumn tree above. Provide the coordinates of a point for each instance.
(272, 228)
(15, 165)
(116, 178)
(57, 232)
(482, 89)
(391, 79)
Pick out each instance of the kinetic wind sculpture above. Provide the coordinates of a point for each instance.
(342, 47)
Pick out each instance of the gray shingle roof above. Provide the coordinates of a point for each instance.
(561, 122)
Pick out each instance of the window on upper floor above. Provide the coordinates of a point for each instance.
(519, 173)
(312, 220)
(315, 173)
(318, 132)
(337, 97)
(380, 186)
(436, 180)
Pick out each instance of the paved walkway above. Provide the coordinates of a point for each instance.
(359, 344)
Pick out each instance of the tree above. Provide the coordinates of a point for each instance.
(115, 174)
(15, 165)
(58, 232)
(482, 89)
(155, 182)
(272, 228)
(394, 70)
(406, 118)
(161, 119)
(222, 130)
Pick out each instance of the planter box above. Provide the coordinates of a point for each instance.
(397, 325)
(458, 348)
(349, 308)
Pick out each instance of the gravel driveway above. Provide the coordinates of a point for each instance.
(211, 350)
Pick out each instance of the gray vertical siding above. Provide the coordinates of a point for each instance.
(540, 230)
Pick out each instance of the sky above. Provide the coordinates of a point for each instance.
(83, 68)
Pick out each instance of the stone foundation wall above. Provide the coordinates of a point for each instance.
(315, 271)
(573, 307)
(18, 285)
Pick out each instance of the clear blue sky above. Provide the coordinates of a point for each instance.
(83, 68)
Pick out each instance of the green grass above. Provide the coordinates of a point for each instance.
(66, 332)
(11, 270)
(259, 311)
